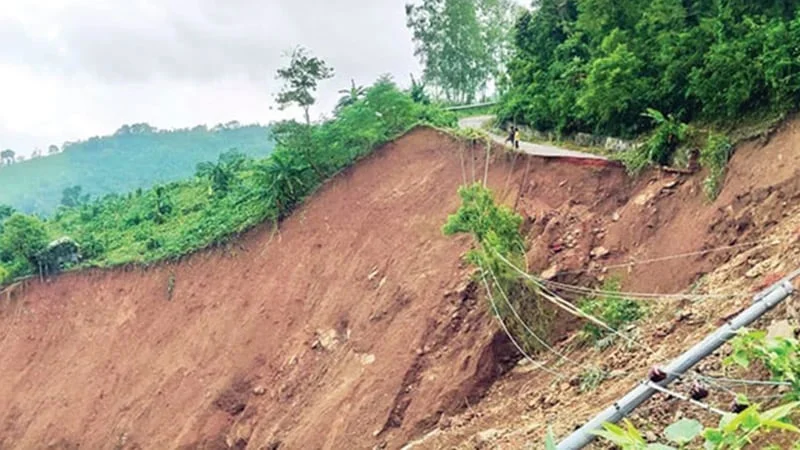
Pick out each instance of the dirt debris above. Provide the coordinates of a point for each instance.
(405, 351)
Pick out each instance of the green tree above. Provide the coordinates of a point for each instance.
(461, 43)
(616, 91)
(5, 212)
(221, 174)
(71, 197)
(23, 239)
(729, 62)
(7, 156)
(301, 78)
(595, 65)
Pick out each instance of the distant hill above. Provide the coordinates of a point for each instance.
(136, 156)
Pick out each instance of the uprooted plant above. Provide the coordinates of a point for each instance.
(496, 230)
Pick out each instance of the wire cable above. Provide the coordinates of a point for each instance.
(569, 307)
(525, 325)
(759, 244)
(519, 348)
(744, 382)
(679, 396)
(635, 295)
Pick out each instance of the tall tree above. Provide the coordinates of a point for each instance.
(72, 197)
(23, 238)
(461, 43)
(301, 78)
(53, 149)
(7, 156)
(5, 212)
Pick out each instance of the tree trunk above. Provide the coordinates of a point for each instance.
(307, 151)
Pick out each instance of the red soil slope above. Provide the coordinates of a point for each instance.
(661, 214)
(349, 328)
(352, 327)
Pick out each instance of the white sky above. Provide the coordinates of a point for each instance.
(71, 69)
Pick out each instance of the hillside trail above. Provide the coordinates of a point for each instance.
(545, 151)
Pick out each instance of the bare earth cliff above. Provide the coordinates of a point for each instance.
(353, 325)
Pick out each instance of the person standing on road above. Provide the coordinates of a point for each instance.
(516, 138)
(510, 138)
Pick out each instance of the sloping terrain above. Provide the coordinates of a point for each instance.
(135, 157)
(354, 324)
(348, 327)
(753, 229)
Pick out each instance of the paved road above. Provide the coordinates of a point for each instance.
(547, 151)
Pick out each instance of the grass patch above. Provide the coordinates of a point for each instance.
(591, 378)
(714, 156)
(611, 308)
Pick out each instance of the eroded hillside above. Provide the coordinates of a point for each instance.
(354, 325)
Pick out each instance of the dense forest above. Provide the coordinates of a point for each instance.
(598, 65)
(226, 196)
(136, 156)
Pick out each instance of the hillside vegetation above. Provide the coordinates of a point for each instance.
(136, 156)
(225, 197)
(598, 65)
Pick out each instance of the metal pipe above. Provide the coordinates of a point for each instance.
(680, 365)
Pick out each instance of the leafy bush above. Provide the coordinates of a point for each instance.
(594, 65)
(661, 145)
(613, 309)
(496, 232)
(5, 276)
(23, 239)
(591, 378)
(735, 431)
(781, 356)
(495, 229)
(714, 157)
(227, 197)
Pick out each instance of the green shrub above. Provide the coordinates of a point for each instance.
(23, 239)
(735, 431)
(593, 66)
(228, 196)
(611, 308)
(5, 275)
(591, 378)
(496, 230)
(714, 157)
(781, 356)
(660, 146)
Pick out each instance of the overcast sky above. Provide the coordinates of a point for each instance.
(71, 69)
